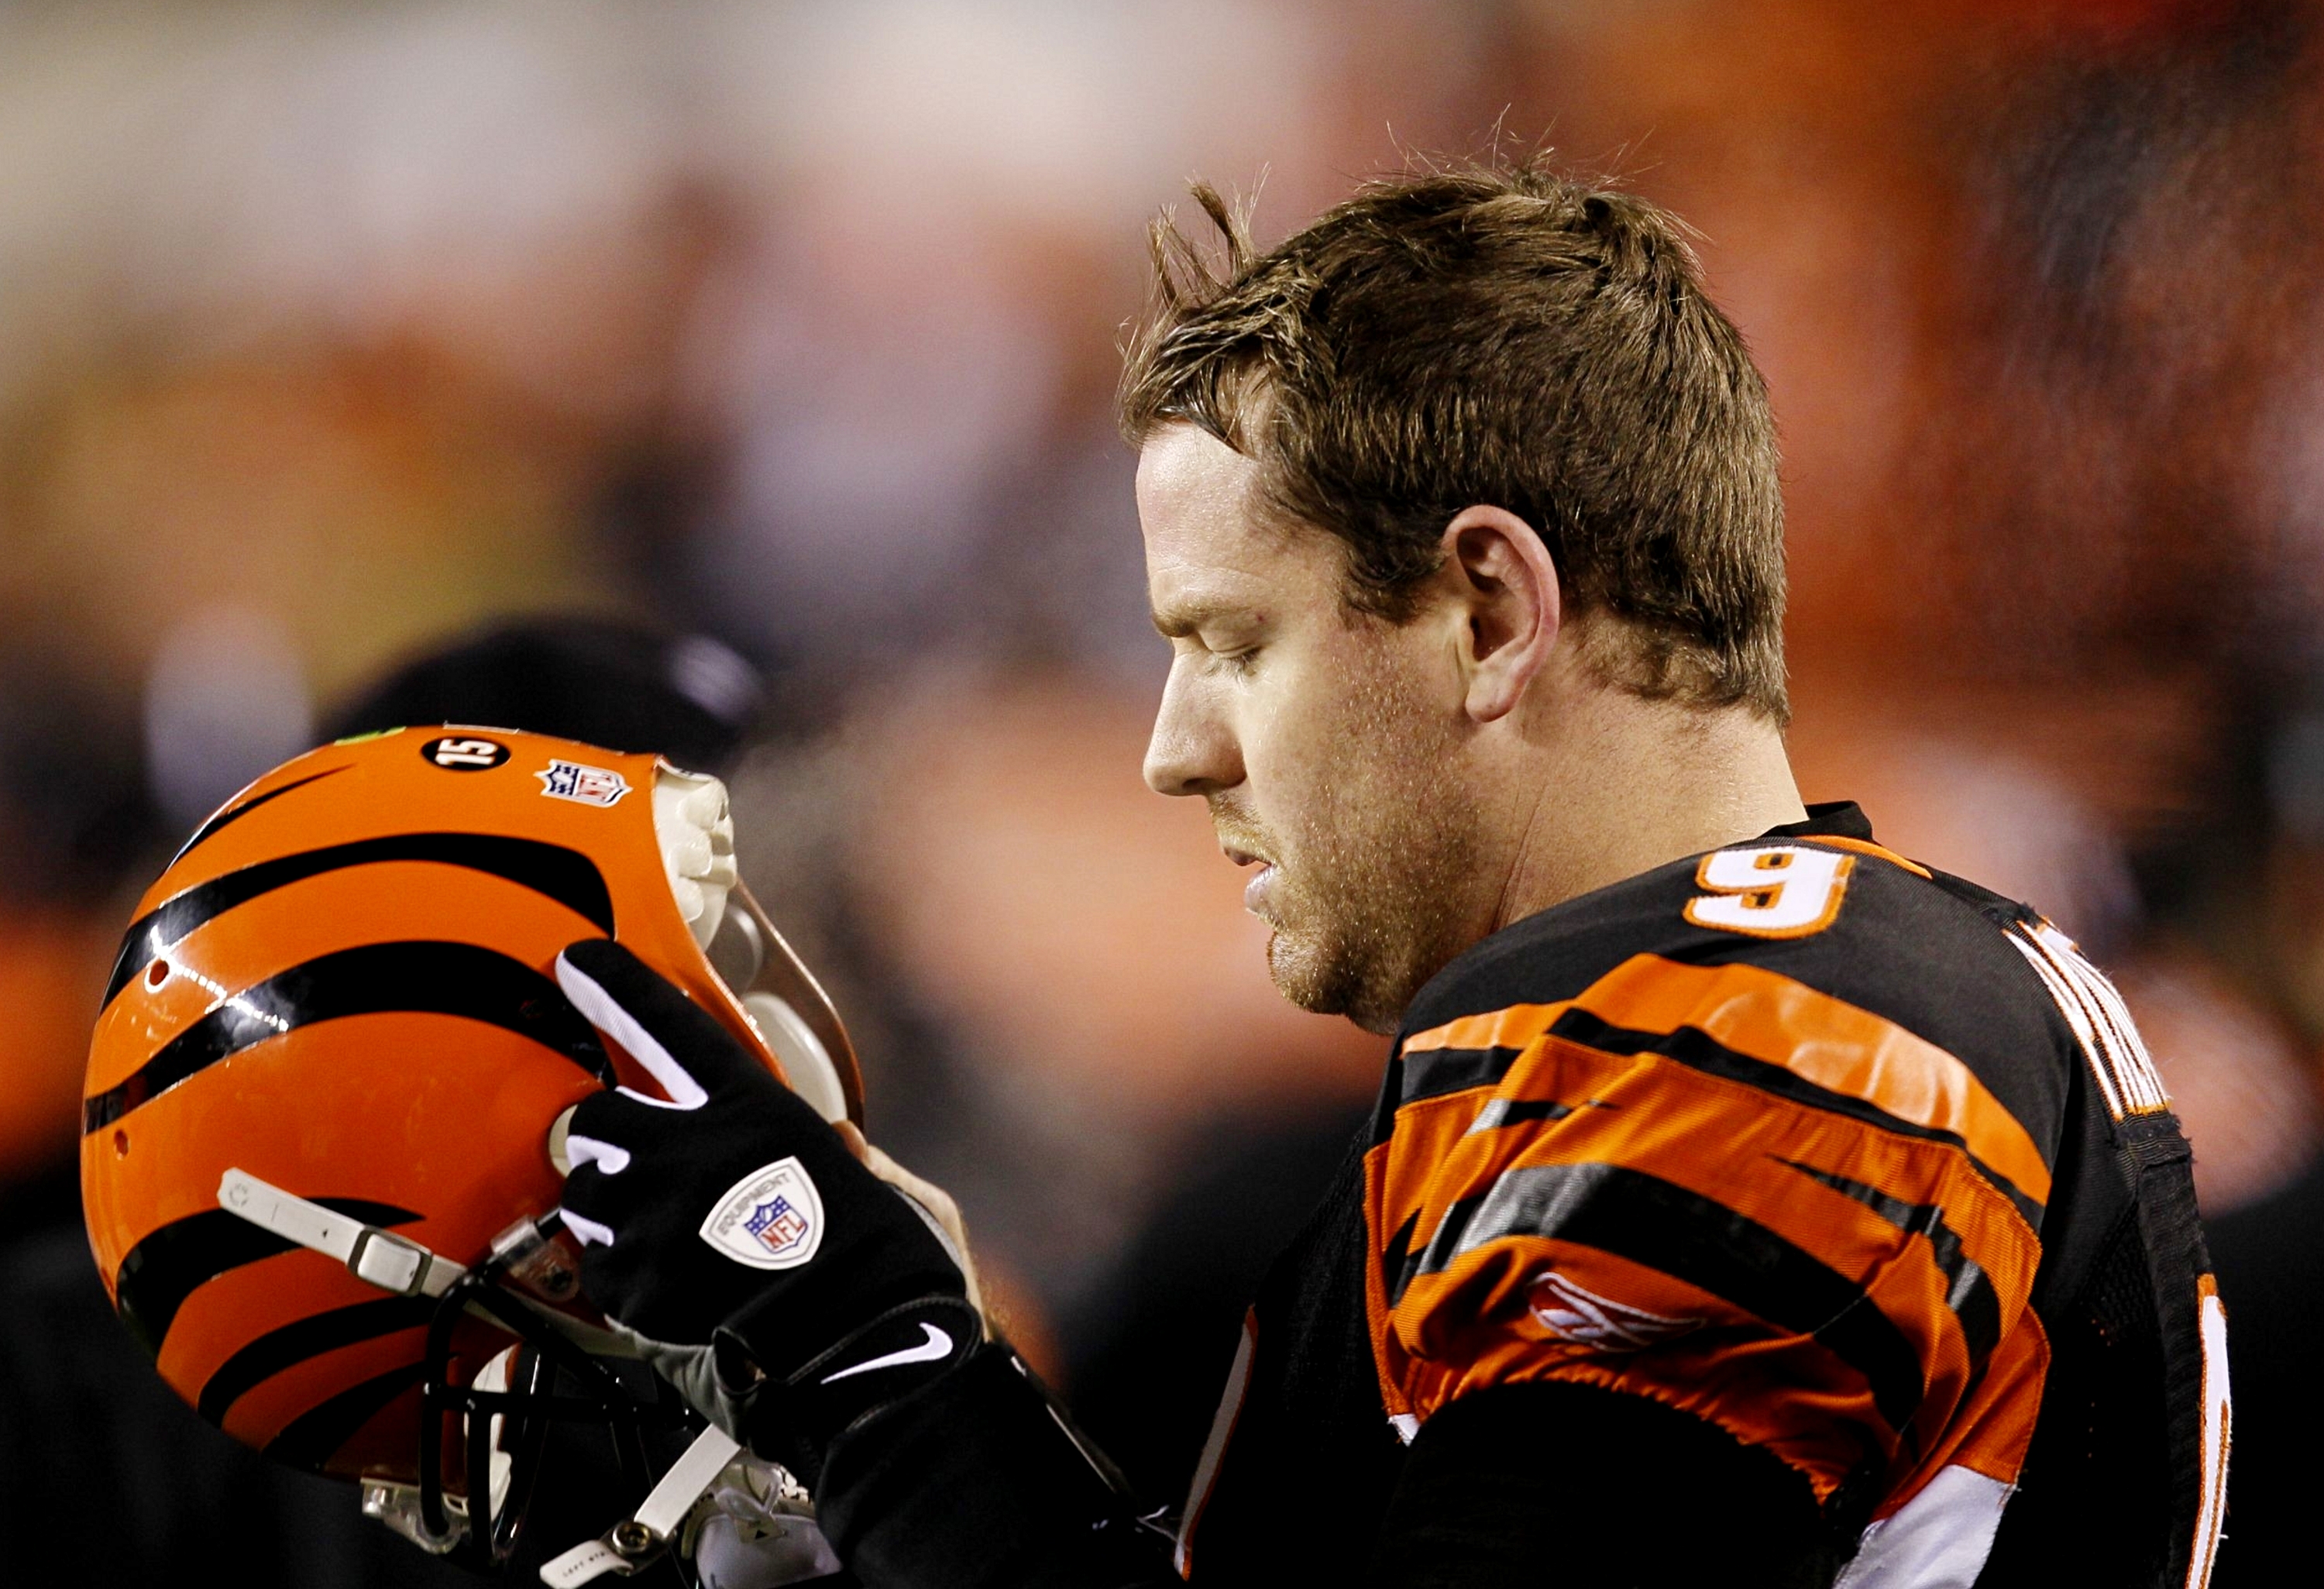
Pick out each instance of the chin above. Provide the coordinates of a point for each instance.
(1320, 982)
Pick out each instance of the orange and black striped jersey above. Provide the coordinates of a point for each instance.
(1856, 1162)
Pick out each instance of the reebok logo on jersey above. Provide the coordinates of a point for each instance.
(772, 1218)
(1577, 1314)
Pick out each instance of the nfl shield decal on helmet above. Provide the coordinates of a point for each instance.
(772, 1218)
(583, 785)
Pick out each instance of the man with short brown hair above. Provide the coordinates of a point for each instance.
(1500, 336)
(1746, 1203)
(1488, 389)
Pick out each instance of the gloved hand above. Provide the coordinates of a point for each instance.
(782, 1287)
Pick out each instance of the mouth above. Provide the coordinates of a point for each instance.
(1254, 894)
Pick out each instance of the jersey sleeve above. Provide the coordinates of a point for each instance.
(1714, 1187)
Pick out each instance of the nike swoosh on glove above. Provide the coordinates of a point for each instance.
(785, 1289)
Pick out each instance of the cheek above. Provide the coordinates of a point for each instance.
(1302, 755)
(1282, 727)
(1358, 753)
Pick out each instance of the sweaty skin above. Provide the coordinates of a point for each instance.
(1410, 788)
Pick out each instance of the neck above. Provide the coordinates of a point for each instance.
(1611, 786)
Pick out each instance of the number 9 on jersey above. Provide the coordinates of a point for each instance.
(1770, 890)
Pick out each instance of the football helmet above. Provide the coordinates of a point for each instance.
(321, 1124)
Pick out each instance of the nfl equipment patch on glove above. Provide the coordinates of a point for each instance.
(782, 1287)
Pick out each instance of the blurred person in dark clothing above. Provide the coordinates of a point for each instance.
(602, 681)
(106, 1476)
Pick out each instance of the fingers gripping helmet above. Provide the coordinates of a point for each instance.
(316, 1154)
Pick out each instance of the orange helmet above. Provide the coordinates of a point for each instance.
(315, 1150)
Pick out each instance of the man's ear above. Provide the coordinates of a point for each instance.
(1506, 588)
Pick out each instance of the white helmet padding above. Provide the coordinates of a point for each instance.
(695, 831)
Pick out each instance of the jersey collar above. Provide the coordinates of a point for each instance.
(1826, 819)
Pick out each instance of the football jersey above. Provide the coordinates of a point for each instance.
(1856, 1161)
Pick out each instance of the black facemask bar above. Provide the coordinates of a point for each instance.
(590, 1392)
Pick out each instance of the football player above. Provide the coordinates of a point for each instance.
(1745, 1202)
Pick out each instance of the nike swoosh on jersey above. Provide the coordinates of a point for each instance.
(938, 1345)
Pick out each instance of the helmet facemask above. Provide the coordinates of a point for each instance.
(506, 1412)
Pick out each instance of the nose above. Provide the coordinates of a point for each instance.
(1193, 751)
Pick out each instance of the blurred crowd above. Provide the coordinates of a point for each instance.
(329, 334)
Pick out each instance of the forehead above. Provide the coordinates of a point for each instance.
(1207, 544)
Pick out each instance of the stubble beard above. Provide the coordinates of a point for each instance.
(1369, 896)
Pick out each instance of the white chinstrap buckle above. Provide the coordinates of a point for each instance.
(389, 1261)
(375, 1256)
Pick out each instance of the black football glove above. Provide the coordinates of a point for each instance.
(784, 1289)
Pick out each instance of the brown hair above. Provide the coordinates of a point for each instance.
(1505, 335)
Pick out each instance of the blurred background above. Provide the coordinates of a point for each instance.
(329, 336)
